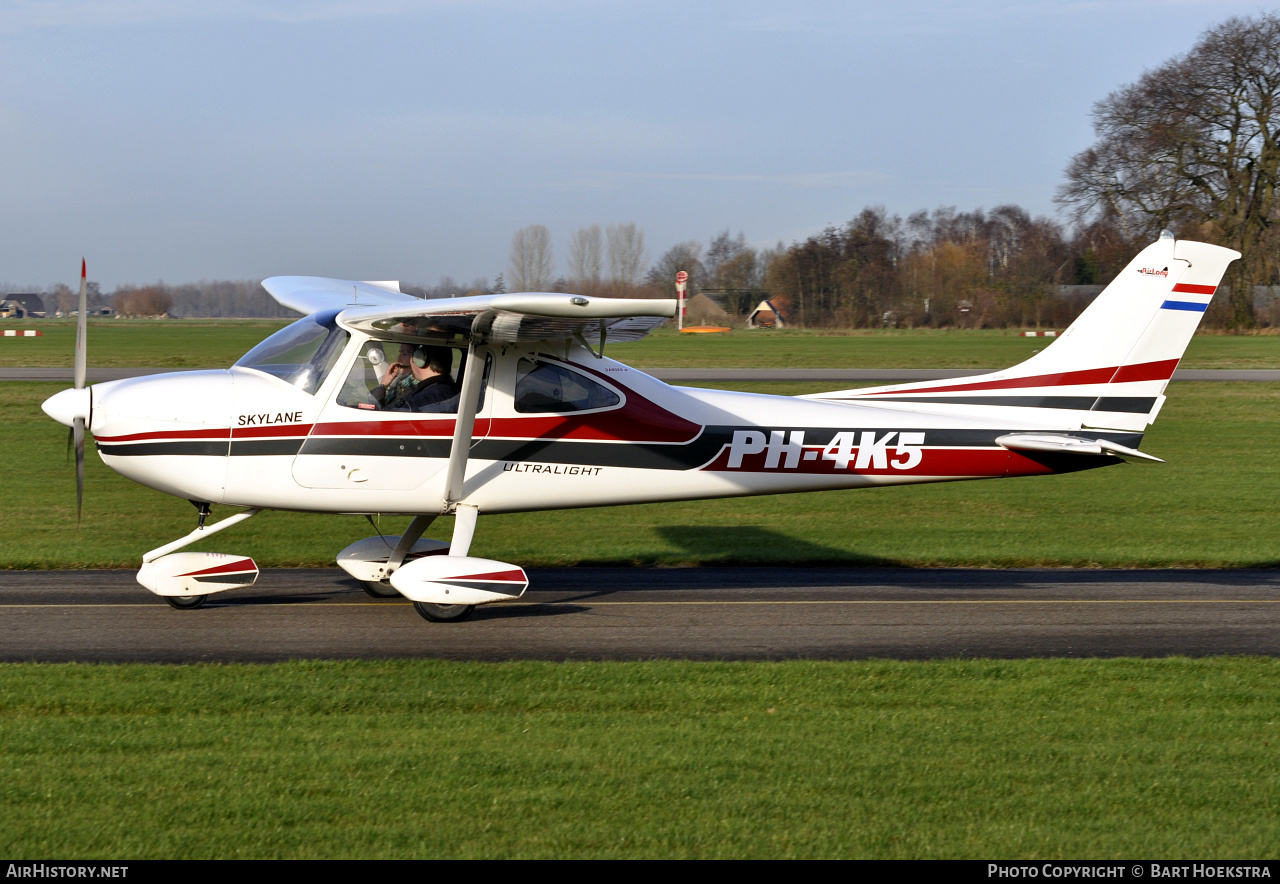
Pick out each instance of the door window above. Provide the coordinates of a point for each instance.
(547, 387)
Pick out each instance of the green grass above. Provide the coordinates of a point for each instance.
(1213, 505)
(895, 348)
(207, 343)
(1168, 758)
(128, 343)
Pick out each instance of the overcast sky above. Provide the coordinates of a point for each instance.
(391, 139)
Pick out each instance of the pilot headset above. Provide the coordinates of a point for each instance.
(420, 357)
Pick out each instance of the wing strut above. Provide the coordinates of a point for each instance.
(472, 383)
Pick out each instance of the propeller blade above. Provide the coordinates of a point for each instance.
(78, 430)
(70, 434)
(81, 331)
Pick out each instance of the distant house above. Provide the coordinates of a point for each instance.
(766, 315)
(21, 306)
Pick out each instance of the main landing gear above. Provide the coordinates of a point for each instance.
(380, 589)
(185, 602)
(443, 582)
(443, 613)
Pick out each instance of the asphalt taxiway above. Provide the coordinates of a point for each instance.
(638, 613)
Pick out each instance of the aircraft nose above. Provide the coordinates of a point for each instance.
(68, 405)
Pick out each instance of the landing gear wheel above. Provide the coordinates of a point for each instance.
(443, 613)
(380, 589)
(185, 602)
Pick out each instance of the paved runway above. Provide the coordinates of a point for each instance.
(710, 375)
(636, 613)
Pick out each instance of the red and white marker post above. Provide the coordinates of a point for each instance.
(682, 280)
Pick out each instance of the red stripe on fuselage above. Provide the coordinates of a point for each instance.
(213, 433)
(1188, 288)
(434, 427)
(209, 433)
(1146, 371)
(274, 430)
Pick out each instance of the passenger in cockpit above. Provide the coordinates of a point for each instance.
(419, 381)
(397, 380)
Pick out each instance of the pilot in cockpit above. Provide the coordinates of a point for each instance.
(419, 380)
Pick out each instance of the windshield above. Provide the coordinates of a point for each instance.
(300, 354)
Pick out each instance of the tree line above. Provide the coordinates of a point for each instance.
(945, 268)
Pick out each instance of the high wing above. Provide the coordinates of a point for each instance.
(506, 318)
(518, 317)
(309, 294)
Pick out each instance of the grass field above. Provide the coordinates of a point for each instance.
(115, 343)
(985, 759)
(195, 343)
(1213, 505)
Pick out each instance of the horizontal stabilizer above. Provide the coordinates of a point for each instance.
(1055, 443)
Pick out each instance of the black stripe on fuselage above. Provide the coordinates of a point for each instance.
(377, 446)
(146, 449)
(1123, 404)
(262, 447)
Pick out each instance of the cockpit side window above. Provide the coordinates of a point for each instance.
(546, 387)
(373, 385)
(301, 354)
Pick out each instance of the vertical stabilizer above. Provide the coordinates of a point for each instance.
(1111, 367)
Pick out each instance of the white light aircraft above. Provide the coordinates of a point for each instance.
(536, 417)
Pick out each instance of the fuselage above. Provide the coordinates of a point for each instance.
(553, 430)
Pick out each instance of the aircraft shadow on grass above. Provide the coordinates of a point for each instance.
(753, 545)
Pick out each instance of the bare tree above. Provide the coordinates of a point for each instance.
(627, 254)
(62, 300)
(681, 256)
(585, 254)
(531, 263)
(723, 248)
(1195, 145)
(149, 300)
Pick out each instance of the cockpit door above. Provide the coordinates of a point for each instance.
(359, 445)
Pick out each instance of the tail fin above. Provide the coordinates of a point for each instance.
(1109, 369)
